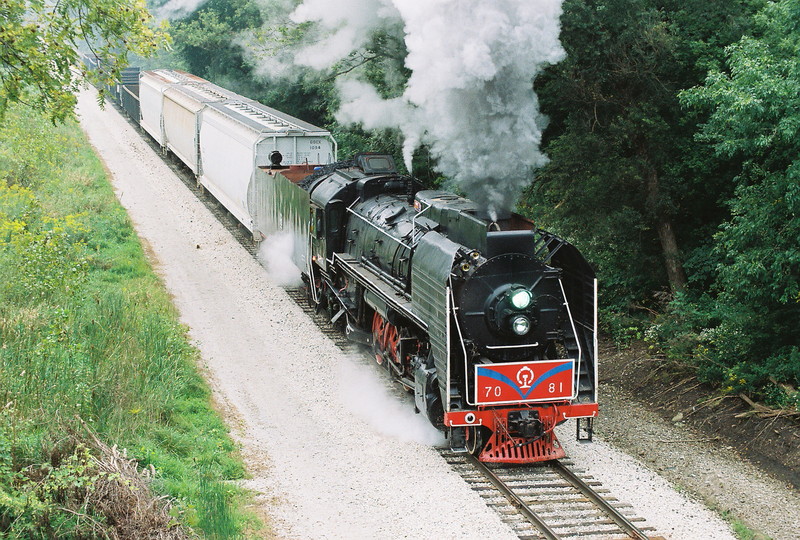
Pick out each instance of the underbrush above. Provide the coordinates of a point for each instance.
(91, 351)
(691, 335)
(729, 352)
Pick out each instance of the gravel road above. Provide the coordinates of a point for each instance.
(333, 452)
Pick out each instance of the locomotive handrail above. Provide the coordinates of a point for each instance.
(523, 346)
(448, 292)
(347, 261)
(577, 340)
(596, 358)
(460, 337)
(388, 278)
(414, 219)
(311, 283)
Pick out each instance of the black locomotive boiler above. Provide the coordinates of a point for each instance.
(492, 324)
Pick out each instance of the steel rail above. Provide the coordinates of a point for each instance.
(513, 498)
(629, 528)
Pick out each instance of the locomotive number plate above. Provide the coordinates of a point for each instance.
(520, 382)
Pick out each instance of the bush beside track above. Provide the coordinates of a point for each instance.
(93, 360)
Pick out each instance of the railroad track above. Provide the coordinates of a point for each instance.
(549, 500)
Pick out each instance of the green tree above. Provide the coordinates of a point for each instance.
(39, 43)
(752, 320)
(206, 41)
(626, 178)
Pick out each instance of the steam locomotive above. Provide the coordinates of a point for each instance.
(491, 322)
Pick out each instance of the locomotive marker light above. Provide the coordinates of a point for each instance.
(512, 310)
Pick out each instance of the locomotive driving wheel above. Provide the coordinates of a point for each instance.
(378, 337)
(392, 343)
(385, 340)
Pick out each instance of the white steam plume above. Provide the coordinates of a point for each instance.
(470, 95)
(366, 394)
(275, 255)
(346, 24)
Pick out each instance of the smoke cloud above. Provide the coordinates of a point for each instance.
(470, 95)
(345, 25)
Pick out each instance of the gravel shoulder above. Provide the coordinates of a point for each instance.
(333, 451)
(741, 466)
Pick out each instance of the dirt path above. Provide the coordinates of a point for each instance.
(331, 452)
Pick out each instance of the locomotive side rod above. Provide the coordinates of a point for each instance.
(513, 498)
(623, 522)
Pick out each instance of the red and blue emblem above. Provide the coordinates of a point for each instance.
(524, 381)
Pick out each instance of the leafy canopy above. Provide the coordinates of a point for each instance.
(752, 311)
(39, 43)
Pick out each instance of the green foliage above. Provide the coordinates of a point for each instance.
(621, 328)
(88, 332)
(625, 170)
(32, 504)
(40, 41)
(204, 43)
(746, 326)
(27, 152)
(47, 253)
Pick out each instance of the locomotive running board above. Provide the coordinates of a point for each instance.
(374, 283)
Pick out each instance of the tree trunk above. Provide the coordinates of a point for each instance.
(669, 244)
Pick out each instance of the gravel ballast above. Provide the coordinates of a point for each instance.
(333, 452)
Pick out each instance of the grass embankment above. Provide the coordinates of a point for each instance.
(90, 343)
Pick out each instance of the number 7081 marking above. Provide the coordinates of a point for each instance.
(497, 391)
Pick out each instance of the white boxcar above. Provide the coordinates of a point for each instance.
(171, 102)
(224, 138)
(236, 138)
(152, 85)
(181, 114)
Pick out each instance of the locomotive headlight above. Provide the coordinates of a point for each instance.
(520, 325)
(521, 299)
